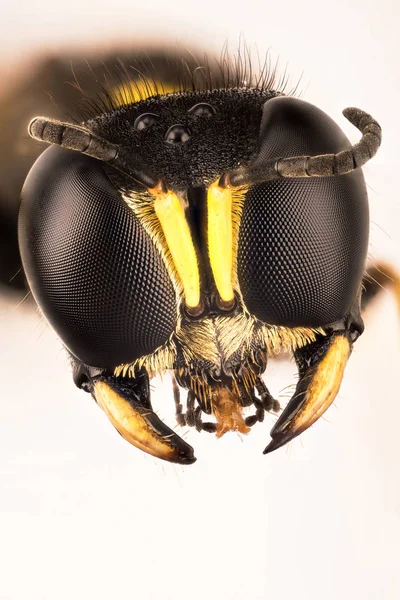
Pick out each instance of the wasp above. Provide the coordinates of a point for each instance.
(200, 223)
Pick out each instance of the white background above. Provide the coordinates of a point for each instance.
(85, 515)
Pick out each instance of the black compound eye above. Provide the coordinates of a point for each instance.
(177, 134)
(302, 242)
(202, 110)
(145, 120)
(92, 268)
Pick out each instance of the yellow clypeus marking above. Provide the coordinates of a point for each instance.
(219, 207)
(177, 234)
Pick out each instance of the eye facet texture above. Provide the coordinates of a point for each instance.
(302, 242)
(91, 266)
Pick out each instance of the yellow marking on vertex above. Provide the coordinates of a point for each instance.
(137, 90)
(219, 207)
(177, 234)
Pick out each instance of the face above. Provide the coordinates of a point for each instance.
(190, 232)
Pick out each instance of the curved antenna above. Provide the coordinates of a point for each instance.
(80, 139)
(324, 165)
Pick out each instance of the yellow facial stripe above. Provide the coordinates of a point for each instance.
(177, 234)
(130, 423)
(136, 90)
(219, 207)
(324, 385)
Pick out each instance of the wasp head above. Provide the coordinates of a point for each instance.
(201, 233)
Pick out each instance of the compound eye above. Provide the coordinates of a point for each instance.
(302, 242)
(177, 134)
(202, 110)
(145, 120)
(92, 268)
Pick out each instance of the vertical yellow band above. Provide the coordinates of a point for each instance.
(219, 206)
(177, 234)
